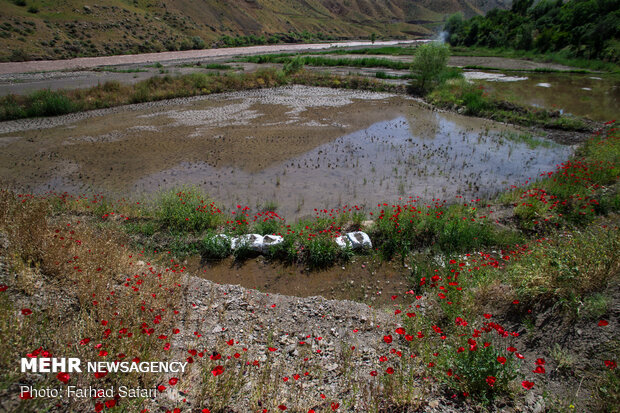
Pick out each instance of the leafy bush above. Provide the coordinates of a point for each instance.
(10, 108)
(581, 28)
(48, 103)
(187, 210)
(478, 372)
(321, 252)
(429, 62)
(448, 229)
(215, 247)
(286, 251)
(293, 66)
(267, 226)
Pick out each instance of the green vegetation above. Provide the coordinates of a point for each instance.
(585, 29)
(567, 269)
(562, 57)
(451, 229)
(187, 210)
(429, 65)
(285, 58)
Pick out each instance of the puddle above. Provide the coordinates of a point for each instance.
(303, 148)
(492, 77)
(364, 280)
(597, 98)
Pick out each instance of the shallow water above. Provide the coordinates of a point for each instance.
(594, 96)
(303, 148)
(390, 159)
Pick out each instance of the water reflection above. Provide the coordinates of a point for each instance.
(401, 157)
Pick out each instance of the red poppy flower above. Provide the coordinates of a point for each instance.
(100, 374)
(335, 406)
(491, 380)
(601, 323)
(400, 331)
(389, 370)
(282, 407)
(26, 311)
(173, 381)
(501, 360)
(611, 364)
(527, 384)
(63, 377)
(539, 370)
(217, 371)
(387, 339)
(373, 373)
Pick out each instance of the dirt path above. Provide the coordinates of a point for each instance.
(90, 62)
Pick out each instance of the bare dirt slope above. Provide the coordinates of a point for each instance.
(73, 28)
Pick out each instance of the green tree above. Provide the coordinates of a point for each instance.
(429, 63)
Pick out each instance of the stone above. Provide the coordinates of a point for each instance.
(271, 240)
(359, 239)
(252, 241)
(343, 242)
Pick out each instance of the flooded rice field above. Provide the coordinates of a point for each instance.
(591, 95)
(300, 147)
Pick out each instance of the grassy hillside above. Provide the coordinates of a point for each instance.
(45, 29)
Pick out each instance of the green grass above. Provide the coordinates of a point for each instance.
(214, 66)
(556, 57)
(42, 103)
(529, 139)
(326, 61)
(567, 269)
(450, 229)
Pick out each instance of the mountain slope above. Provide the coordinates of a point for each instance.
(33, 29)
